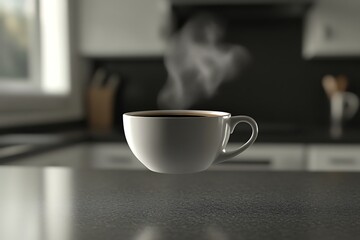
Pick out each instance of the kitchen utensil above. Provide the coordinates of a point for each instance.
(330, 85)
(343, 104)
(342, 83)
(101, 96)
(98, 78)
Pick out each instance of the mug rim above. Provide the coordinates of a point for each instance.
(140, 114)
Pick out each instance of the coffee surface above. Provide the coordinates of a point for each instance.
(175, 115)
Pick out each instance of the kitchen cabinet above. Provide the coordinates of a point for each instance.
(324, 157)
(72, 156)
(332, 29)
(100, 156)
(110, 28)
(265, 156)
(259, 157)
(113, 156)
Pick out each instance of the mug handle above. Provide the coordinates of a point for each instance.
(224, 155)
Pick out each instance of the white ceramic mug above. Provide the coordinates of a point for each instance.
(183, 141)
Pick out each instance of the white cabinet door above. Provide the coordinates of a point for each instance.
(260, 156)
(121, 27)
(257, 157)
(113, 156)
(71, 156)
(332, 29)
(334, 157)
(99, 155)
(265, 156)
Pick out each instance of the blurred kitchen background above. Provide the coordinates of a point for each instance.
(70, 69)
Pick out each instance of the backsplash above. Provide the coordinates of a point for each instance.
(279, 87)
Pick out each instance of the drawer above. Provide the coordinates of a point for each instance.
(73, 156)
(257, 157)
(262, 156)
(334, 157)
(114, 156)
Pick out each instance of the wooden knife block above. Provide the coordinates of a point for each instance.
(101, 108)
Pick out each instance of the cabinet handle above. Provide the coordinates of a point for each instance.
(343, 161)
(328, 32)
(248, 162)
(120, 159)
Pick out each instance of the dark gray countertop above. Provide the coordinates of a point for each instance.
(61, 203)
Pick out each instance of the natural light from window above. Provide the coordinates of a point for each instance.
(34, 48)
(55, 46)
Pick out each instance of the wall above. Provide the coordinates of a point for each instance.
(279, 87)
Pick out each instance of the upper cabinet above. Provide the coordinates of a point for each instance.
(109, 28)
(332, 29)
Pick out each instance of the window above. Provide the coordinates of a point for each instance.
(19, 51)
(34, 47)
(35, 58)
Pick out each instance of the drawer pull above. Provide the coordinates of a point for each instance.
(247, 162)
(343, 161)
(120, 159)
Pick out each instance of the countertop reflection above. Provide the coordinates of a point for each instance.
(63, 203)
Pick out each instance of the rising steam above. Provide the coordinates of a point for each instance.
(198, 63)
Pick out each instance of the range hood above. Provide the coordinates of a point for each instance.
(244, 8)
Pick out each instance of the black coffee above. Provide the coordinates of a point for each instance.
(176, 115)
